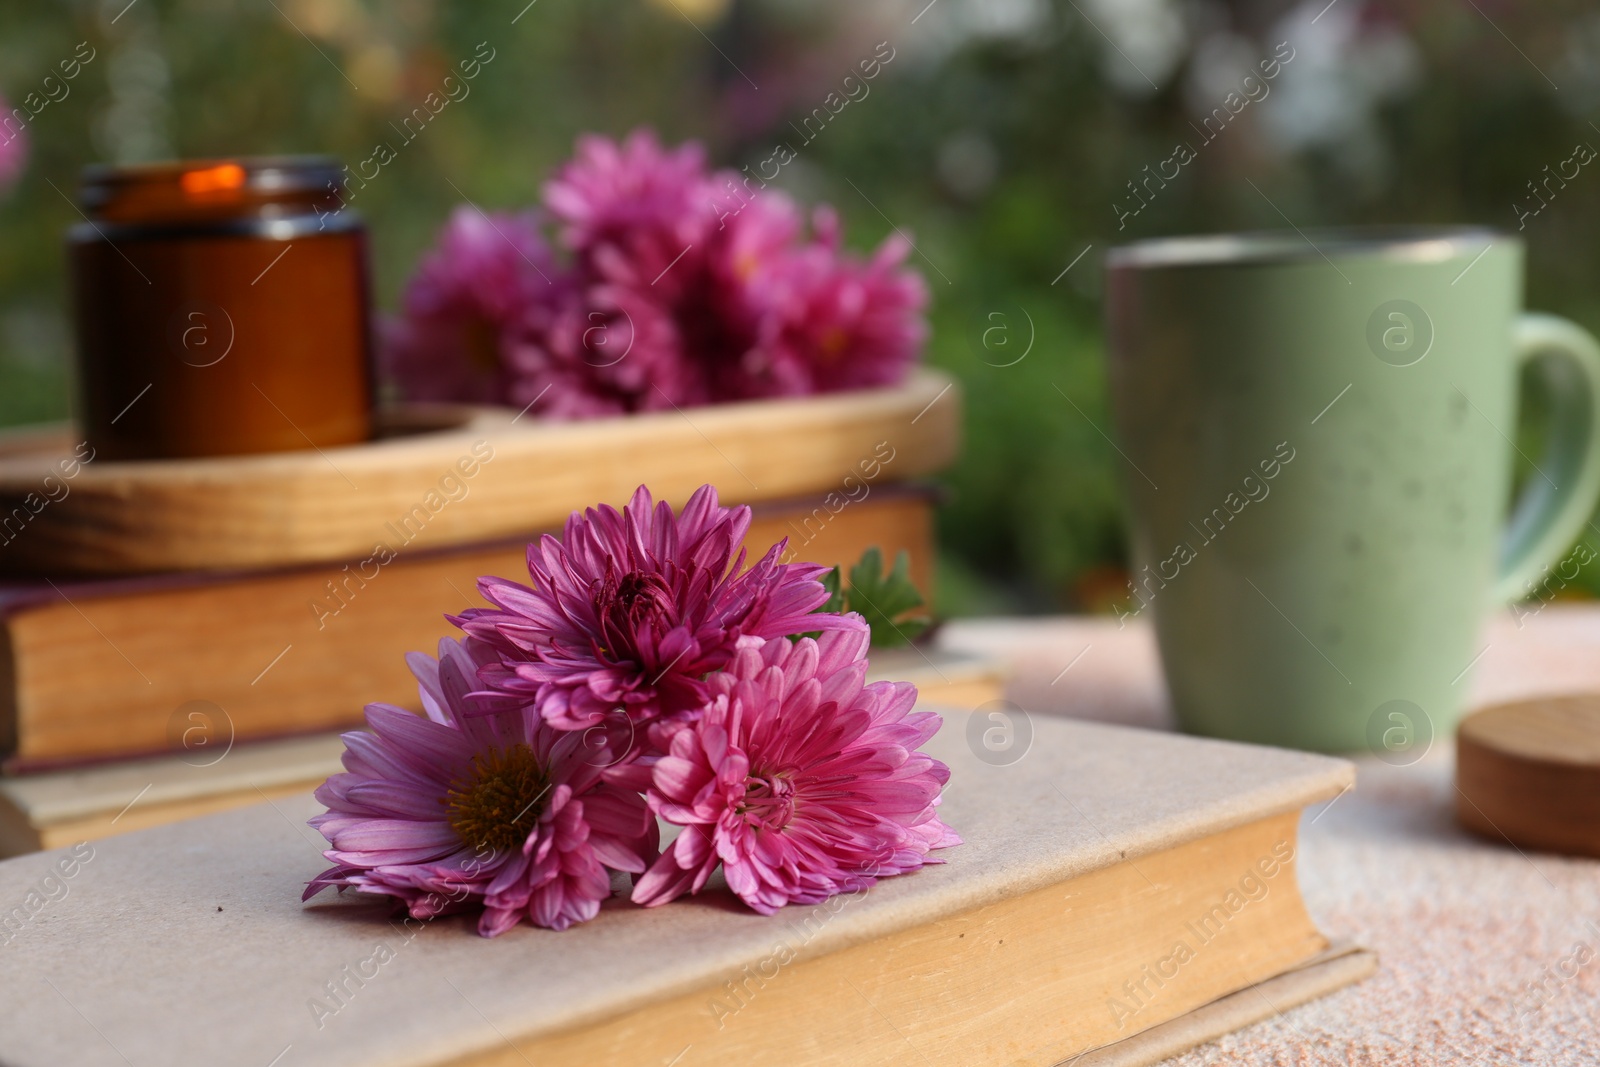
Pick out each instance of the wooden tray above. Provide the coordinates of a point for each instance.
(290, 508)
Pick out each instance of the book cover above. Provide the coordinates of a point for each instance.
(188, 944)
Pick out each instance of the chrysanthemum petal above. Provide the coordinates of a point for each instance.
(799, 797)
(389, 814)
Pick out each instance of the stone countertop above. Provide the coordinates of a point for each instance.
(1489, 955)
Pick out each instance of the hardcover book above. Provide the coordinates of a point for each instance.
(144, 666)
(1120, 895)
(55, 808)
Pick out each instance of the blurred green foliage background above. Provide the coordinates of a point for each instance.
(1002, 135)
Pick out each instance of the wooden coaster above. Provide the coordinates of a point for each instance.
(1530, 772)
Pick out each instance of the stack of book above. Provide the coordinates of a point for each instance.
(185, 637)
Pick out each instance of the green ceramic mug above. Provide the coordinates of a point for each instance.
(1318, 442)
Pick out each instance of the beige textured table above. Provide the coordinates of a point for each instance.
(1488, 955)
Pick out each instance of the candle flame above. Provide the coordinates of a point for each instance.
(213, 179)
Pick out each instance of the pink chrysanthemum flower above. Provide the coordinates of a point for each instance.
(629, 610)
(13, 147)
(800, 780)
(487, 279)
(608, 350)
(743, 296)
(820, 319)
(850, 323)
(634, 213)
(464, 809)
(685, 287)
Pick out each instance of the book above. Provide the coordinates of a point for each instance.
(1118, 890)
(945, 678)
(143, 666)
(55, 808)
(63, 807)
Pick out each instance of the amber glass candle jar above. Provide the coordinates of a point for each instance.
(221, 308)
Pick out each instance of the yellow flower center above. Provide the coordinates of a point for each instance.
(499, 803)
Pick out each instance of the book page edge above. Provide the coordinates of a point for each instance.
(1341, 965)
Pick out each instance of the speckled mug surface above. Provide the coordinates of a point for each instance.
(1317, 442)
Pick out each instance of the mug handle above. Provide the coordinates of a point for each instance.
(1555, 505)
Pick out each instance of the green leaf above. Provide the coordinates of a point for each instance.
(889, 603)
(835, 601)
